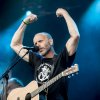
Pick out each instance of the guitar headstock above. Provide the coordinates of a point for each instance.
(73, 69)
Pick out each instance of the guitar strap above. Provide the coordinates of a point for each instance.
(52, 70)
(53, 65)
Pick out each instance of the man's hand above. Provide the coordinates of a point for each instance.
(31, 18)
(61, 12)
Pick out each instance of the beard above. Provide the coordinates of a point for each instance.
(46, 52)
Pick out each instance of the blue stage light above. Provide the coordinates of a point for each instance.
(28, 13)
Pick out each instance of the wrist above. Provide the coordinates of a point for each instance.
(25, 22)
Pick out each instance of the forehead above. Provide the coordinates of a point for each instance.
(38, 37)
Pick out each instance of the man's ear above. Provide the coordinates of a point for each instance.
(51, 41)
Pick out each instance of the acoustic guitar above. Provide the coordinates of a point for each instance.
(31, 91)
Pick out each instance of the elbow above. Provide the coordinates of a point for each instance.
(16, 46)
(77, 36)
(12, 45)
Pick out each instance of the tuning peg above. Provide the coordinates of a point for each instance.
(76, 73)
(72, 74)
(69, 76)
(75, 64)
(72, 66)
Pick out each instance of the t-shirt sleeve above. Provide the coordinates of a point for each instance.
(71, 59)
(65, 59)
(34, 58)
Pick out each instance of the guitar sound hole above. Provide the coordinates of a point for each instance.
(28, 96)
(18, 98)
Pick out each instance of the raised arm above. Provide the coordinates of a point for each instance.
(72, 42)
(16, 43)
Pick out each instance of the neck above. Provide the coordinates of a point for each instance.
(50, 54)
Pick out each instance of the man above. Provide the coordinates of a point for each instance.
(12, 84)
(46, 63)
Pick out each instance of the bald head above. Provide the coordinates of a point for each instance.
(45, 34)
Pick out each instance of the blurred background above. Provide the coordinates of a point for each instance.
(86, 14)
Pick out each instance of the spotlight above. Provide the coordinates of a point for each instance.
(28, 13)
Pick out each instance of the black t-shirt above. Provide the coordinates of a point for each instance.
(46, 68)
(43, 72)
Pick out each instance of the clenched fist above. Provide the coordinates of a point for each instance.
(60, 12)
(31, 18)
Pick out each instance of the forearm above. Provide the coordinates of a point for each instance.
(72, 28)
(72, 42)
(18, 35)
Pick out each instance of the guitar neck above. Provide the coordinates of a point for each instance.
(45, 85)
(66, 72)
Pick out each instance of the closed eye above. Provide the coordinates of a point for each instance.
(38, 41)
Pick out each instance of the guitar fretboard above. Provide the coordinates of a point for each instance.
(66, 72)
(45, 85)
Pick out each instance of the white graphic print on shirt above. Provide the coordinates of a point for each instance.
(44, 72)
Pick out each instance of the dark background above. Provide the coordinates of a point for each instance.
(86, 13)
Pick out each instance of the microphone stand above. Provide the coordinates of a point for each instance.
(5, 76)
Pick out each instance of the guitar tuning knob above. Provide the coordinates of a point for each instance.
(75, 64)
(76, 73)
(69, 76)
(72, 74)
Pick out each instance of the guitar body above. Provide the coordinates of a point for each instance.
(20, 93)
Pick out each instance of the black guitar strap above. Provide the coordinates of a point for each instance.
(53, 65)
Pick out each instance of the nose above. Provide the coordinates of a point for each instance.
(37, 44)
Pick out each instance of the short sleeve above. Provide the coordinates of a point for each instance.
(34, 58)
(64, 60)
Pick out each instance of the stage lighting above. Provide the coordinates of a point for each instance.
(28, 13)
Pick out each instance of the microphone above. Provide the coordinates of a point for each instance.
(34, 48)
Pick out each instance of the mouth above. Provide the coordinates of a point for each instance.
(41, 49)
